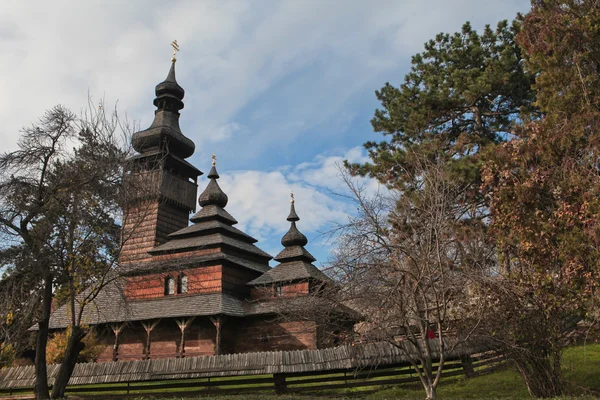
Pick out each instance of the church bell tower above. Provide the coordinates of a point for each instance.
(161, 184)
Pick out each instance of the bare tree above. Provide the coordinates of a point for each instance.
(407, 261)
(60, 200)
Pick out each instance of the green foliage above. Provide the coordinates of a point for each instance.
(57, 345)
(543, 190)
(543, 186)
(465, 92)
(7, 355)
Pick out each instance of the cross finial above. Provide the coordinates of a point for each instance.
(292, 197)
(214, 159)
(175, 50)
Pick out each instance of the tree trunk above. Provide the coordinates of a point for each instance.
(431, 392)
(542, 376)
(41, 373)
(74, 347)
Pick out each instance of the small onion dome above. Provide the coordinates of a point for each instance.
(293, 237)
(213, 195)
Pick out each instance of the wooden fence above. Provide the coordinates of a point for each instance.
(279, 372)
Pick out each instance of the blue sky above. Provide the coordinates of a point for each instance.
(280, 90)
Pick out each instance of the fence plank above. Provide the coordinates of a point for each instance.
(357, 365)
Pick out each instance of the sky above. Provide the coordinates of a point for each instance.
(281, 91)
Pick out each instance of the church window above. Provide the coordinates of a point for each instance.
(182, 284)
(278, 290)
(169, 285)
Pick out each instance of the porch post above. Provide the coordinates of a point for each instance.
(183, 324)
(218, 322)
(149, 326)
(116, 328)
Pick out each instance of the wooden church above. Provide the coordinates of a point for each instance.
(201, 289)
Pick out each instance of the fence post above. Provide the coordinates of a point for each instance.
(280, 385)
(467, 364)
(127, 387)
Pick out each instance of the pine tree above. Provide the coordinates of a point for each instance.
(464, 93)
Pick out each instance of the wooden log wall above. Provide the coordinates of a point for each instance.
(147, 224)
(268, 334)
(287, 289)
(200, 280)
(200, 336)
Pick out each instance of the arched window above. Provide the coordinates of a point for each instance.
(182, 284)
(169, 285)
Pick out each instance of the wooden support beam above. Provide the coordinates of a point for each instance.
(149, 326)
(116, 328)
(218, 322)
(183, 324)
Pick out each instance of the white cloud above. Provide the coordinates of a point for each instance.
(325, 171)
(259, 200)
(262, 79)
(316, 56)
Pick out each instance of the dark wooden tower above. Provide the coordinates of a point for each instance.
(161, 182)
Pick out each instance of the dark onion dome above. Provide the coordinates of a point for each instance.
(213, 195)
(293, 237)
(164, 133)
(294, 241)
(169, 87)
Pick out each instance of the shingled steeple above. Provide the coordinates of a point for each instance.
(213, 229)
(294, 241)
(295, 261)
(165, 181)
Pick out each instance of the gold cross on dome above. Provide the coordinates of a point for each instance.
(214, 159)
(292, 197)
(175, 50)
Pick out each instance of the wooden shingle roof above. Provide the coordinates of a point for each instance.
(111, 306)
(191, 262)
(290, 271)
